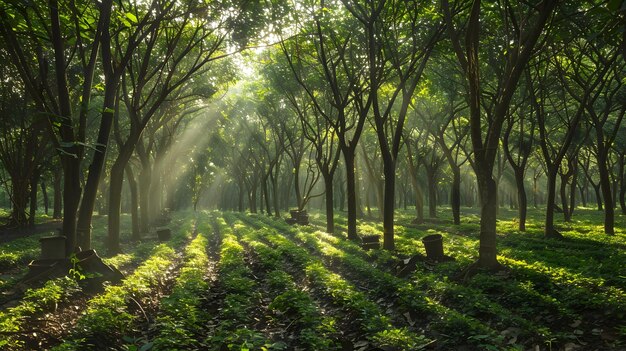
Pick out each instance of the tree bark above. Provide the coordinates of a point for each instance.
(44, 193)
(330, 215)
(33, 197)
(573, 175)
(432, 192)
(240, 195)
(522, 200)
(19, 202)
(549, 231)
(134, 202)
(253, 200)
(455, 196)
(564, 202)
(389, 208)
(266, 195)
(57, 206)
(145, 177)
(348, 155)
(85, 214)
(275, 197)
(71, 198)
(115, 202)
(605, 185)
(622, 180)
(419, 199)
(596, 190)
(488, 251)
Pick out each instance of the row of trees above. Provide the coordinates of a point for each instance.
(492, 87)
(465, 83)
(76, 73)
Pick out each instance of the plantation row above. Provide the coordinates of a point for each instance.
(238, 282)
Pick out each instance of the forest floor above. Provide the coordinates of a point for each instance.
(233, 281)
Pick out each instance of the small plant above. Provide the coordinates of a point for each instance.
(111, 315)
(75, 271)
(34, 301)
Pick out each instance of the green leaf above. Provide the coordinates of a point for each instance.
(146, 346)
(132, 18)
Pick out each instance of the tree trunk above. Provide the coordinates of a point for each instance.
(121, 166)
(266, 195)
(487, 251)
(156, 194)
(71, 198)
(521, 199)
(274, 180)
(115, 202)
(19, 201)
(380, 197)
(388, 206)
(330, 219)
(33, 198)
(596, 189)
(572, 194)
(419, 197)
(368, 208)
(240, 195)
(622, 179)
(44, 193)
(357, 190)
(622, 196)
(535, 192)
(145, 177)
(83, 228)
(564, 202)
(583, 189)
(253, 199)
(296, 184)
(348, 156)
(432, 194)
(134, 202)
(549, 231)
(57, 206)
(455, 196)
(605, 185)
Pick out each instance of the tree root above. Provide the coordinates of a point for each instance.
(555, 234)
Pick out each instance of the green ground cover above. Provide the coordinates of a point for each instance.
(252, 282)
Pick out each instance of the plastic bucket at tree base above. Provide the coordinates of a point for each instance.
(434, 246)
(52, 247)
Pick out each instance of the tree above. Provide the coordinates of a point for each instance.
(394, 69)
(23, 146)
(315, 128)
(177, 50)
(603, 105)
(523, 139)
(328, 48)
(46, 30)
(518, 37)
